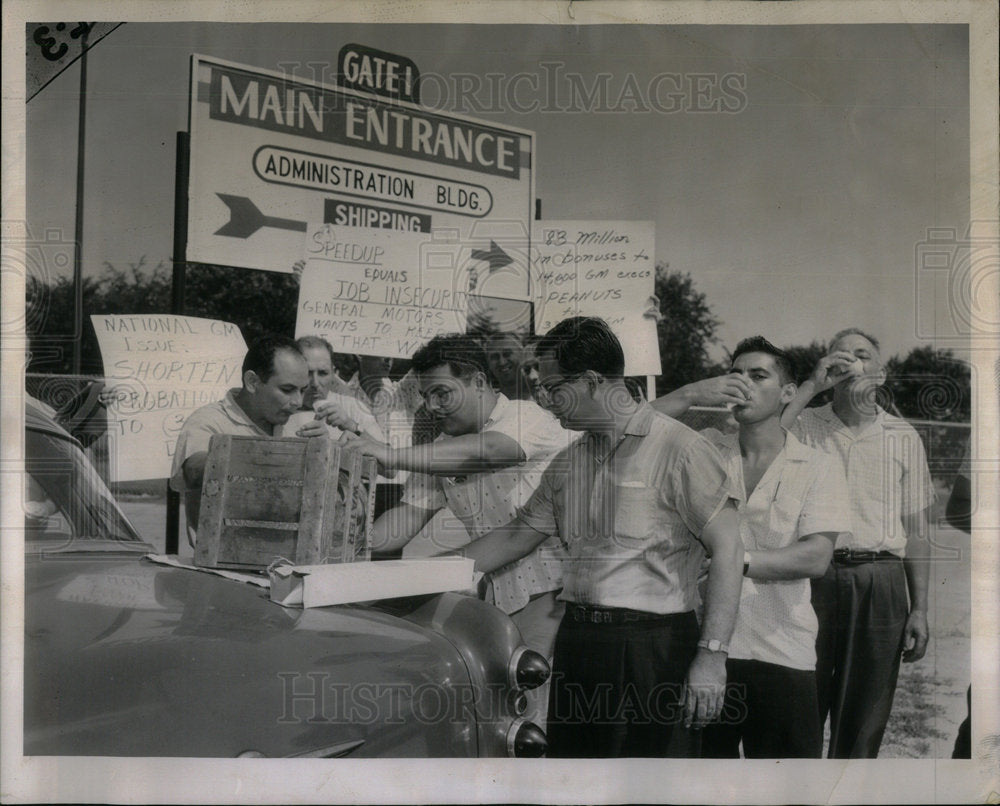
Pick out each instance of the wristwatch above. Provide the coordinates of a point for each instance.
(713, 645)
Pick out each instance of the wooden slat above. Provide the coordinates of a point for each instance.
(287, 526)
(212, 494)
(271, 458)
(264, 501)
(283, 497)
(320, 456)
(255, 548)
(369, 475)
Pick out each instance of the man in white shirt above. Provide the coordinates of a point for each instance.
(327, 393)
(872, 601)
(274, 380)
(792, 502)
(487, 462)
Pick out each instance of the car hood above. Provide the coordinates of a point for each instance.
(124, 657)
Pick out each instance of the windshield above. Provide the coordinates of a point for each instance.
(66, 502)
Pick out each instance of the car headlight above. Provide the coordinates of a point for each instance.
(526, 740)
(527, 669)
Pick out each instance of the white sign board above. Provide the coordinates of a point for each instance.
(599, 268)
(161, 367)
(362, 291)
(271, 153)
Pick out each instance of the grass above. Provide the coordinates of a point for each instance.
(914, 719)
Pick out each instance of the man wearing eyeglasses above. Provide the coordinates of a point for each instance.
(638, 503)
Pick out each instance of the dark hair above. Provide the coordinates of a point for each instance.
(314, 343)
(758, 344)
(462, 353)
(847, 331)
(584, 342)
(260, 356)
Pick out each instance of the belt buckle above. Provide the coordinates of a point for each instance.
(595, 616)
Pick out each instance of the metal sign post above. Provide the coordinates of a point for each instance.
(171, 539)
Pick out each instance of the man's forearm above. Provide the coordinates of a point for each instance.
(806, 392)
(806, 558)
(471, 453)
(674, 403)
(725, 575)
(722, 597)
(397, 527)
(503, 546)
(194, 470)
(916, 564)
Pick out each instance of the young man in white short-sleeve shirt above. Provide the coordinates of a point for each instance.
(792, 502)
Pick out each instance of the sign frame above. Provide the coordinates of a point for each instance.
(452, 227)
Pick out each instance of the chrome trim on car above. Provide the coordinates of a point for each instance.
(331, 751)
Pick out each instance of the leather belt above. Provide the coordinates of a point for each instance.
(856, 556)
(612, 615)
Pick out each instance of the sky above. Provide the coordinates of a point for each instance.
(798, 210)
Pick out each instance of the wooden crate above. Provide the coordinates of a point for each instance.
(309, 501)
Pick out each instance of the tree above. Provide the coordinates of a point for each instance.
(49, 323)
(930, 384)
(257, 302)
(804, 360)
(136, 289)
(685, 332)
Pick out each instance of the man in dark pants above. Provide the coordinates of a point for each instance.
(872, 601)
(792, 502)
(958, 513)
(638, 501)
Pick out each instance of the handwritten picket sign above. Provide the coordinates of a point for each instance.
(375, 292)
(158, 369)
(599, 268)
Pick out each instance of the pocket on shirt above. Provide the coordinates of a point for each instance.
(782, 522)
(635, 514)
(786, 508)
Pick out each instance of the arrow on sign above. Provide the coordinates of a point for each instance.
(245, 219)
(495, 256)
